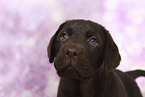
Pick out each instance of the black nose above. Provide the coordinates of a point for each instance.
(72, 52)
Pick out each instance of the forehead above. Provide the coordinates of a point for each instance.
(82, 26)
(78, 26)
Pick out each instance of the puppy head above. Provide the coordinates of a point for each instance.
(79, 48)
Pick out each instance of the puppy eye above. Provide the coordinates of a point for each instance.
(64, 36)
(93, 41)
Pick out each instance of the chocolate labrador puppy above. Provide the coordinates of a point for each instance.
(85, 57)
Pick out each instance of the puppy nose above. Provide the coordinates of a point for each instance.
(72, 52)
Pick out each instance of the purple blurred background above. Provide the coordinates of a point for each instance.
(26, 27)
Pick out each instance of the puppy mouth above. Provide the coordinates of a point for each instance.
(70, 72)
(70, 68)
(67, 70)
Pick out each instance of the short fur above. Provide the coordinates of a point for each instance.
(85, 57)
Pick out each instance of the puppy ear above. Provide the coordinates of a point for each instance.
(52, 47)
(50, 50)
(111, 54)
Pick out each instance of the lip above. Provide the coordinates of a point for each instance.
(75, 77)
(66, 73)
(63, 69)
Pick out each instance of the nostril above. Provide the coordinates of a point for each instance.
(75, 54)
(67, 52)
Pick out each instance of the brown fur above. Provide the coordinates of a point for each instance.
(85, 57)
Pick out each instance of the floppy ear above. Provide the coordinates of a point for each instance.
(111, 54)
(52, 47)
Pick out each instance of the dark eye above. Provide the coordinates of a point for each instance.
(93, 41)
(64, 36)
